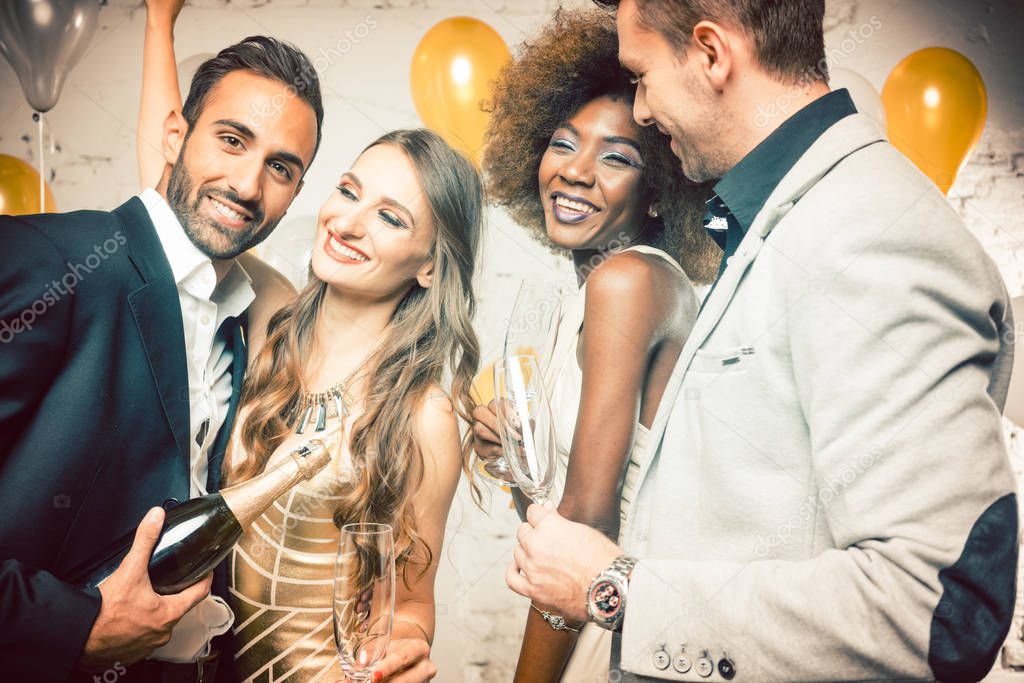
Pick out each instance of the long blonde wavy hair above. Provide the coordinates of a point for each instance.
(430, 337)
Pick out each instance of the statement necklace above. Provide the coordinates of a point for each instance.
(330, 403)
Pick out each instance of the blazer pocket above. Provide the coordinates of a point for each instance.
(720, 361)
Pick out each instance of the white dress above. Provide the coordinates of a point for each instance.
(563, 378)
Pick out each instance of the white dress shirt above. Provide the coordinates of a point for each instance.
(205, 304)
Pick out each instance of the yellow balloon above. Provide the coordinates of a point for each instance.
(19, 188)
(935, 104)
(453, 69)
(482, 391)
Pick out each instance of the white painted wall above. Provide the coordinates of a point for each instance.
(366, 93)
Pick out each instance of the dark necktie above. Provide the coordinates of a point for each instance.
(214, 455)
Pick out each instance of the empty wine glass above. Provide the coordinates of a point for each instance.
(530, 331)
(526, 425)
(364, 597)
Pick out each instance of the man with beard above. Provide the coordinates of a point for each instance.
(122, 359)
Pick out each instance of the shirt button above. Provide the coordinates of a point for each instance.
(205, 320)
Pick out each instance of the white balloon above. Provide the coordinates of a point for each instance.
(290, 247)
(187, 69)
(865, 96)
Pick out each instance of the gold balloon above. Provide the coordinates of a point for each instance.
(452, 73)
(935, 103)
(482, 391)
(19, 188)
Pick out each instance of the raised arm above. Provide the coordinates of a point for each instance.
(160, 94)
(628, 307)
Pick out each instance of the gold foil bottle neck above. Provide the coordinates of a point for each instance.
(311, 457)
(249, 499)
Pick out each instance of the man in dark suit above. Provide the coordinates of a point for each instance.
(121, 361)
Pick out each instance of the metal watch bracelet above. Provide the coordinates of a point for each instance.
(606, 597)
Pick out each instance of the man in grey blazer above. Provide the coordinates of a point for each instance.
(828, 495)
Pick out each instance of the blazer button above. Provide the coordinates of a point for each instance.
(726, 668)
(660, 659)
(705, 667)
(169, 503)
(682, 662)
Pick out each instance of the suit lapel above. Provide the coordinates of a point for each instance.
(157, 311)
(711, 312)
(844, 138)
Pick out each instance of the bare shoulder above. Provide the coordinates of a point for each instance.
(436, 425)
(273, 291)
(634, 283)
(435, 418)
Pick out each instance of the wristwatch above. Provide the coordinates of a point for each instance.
(606, 599)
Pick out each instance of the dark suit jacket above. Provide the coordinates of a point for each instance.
(94, 416)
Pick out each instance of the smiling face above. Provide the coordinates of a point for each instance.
(591, 177)
(375, 234)
(233, 177)
(671, 94)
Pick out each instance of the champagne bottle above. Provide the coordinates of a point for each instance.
(200, 532)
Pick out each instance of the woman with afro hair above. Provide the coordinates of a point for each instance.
(564, 156)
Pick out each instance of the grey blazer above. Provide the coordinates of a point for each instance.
(829, 495)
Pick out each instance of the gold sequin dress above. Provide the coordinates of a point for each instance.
(281, 582)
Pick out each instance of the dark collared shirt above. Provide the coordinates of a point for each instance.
(742, 192)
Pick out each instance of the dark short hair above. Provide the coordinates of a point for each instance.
(788, 36)
(263, 56)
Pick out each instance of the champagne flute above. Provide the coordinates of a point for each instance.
(536, 312)
(531, 328)
(526, 425)
(364, 597)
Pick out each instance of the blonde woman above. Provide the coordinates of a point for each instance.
(361, 351)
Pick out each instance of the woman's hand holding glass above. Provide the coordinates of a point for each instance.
(487, 443)
(407, 661)
(526, 426)
(364, 599)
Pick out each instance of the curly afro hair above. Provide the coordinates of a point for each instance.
(573, 61)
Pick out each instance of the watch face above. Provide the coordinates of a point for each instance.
(605, 599)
